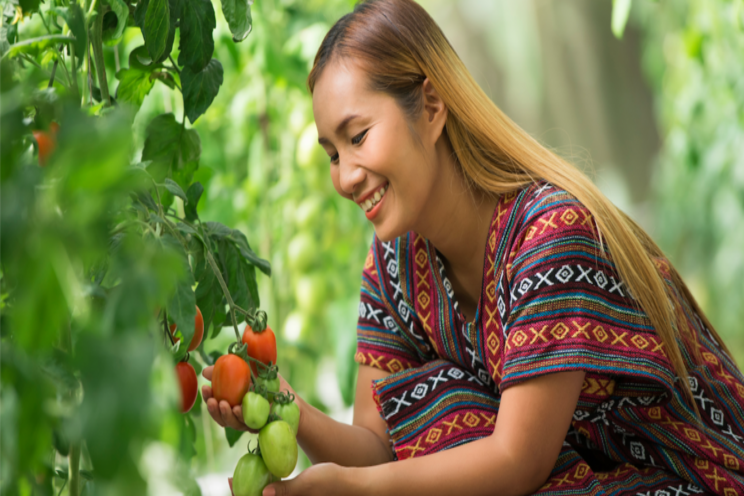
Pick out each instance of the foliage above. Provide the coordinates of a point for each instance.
(692, 55)
(103, 247)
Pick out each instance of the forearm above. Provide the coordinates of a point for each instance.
(323, 439)
(476, 468)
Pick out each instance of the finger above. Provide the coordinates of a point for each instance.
(206, 392)
(228, 417)
(214, 411)
(207, 372)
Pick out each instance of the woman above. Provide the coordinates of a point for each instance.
(519, 333)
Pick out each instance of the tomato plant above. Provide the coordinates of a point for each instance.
(231, 379)
(251, 476)
(278, 448)
(255, 410)
(289, 412)
(187, 379)
(261, 346)
(198, 331)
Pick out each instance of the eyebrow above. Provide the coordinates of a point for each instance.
(339, 128)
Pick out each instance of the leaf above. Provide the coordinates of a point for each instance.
(120, 10)
(36, 45)
(620, 13)
(217, 230)
(134, 86)
(29, 6)
(194, 195)
(242, 243)
(238, 16)
(175, 189)
(157, 24)
(140, 59)
(232, 435)
(182, 305)
(199, 89)
(169, 146)
(240, 277)
(197, 43)
(75, 19)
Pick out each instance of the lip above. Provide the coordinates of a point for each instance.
(376, 209)
(369, 195)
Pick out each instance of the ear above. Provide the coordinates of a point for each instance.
(435, 111)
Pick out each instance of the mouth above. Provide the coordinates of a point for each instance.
(374, 198)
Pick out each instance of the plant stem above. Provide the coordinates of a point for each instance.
(74, 470)
(226, 291)
(96, 33)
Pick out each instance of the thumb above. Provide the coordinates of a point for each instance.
(207, 372)
(283, 488)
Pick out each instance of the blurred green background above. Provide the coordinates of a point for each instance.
(656, 118)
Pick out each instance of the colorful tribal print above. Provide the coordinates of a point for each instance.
(551, 301)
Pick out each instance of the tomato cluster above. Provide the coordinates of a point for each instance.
(266, 409)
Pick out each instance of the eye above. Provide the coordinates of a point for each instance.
(358, 138)
(355, 141)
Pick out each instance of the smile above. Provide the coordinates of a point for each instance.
(374, 199)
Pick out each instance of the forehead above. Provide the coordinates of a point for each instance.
(341, 90)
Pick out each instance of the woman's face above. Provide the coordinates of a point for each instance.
(375, 161)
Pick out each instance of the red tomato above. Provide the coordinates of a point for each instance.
(231, 379)
(198, 331)
(187, 379)
(47, 141)
(261, 346)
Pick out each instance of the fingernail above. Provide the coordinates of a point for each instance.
(269, 491)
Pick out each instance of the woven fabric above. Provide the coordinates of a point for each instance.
(551, 301)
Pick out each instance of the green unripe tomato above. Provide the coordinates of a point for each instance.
(251, 476)
(278, 448)
(255, 410)
(272, 385)
(288, 412)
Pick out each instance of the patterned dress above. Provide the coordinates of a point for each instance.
(550, 302)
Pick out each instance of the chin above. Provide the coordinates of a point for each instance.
(387, 232)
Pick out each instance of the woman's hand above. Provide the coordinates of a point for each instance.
(226, 416)
(324, 479)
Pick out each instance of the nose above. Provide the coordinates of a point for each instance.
(350, 176)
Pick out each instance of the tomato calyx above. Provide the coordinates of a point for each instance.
(258, 321)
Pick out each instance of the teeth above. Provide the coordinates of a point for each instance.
(375, 199)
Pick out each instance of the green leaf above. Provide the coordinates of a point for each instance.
(620, 13)
(175, 189)
(169, 146)
(232, 435)
(238, 16)
(182, 310)
(197, 43)
(36, 45)
(200, 88)
(240, 277)
(29, 6)
(245, 249)
(75, 19)
(134, 86)
(217, 230)
(120, 10)
(194, 195)
(157, 24)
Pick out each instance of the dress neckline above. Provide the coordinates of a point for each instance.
(449, 290)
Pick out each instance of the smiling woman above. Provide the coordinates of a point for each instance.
(520, 333)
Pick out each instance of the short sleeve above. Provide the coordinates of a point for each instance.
(380, 341)
(568, 308)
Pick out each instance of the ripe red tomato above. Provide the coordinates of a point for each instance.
(187, 379)
(47, 141)
(198, 331)
(261, 346)
(231, 379)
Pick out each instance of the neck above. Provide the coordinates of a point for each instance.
(457, 218)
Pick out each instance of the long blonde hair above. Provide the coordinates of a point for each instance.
(399, 45)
